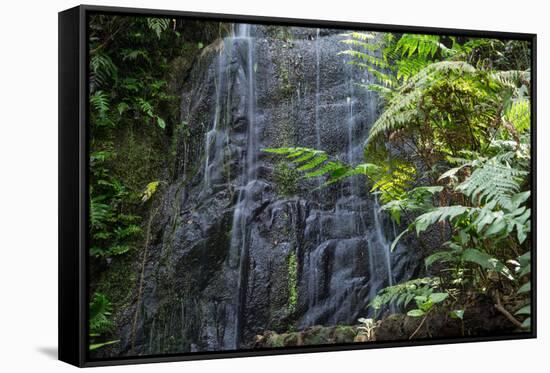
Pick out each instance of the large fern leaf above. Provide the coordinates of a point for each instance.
(158, 25)
(422, 45)
(100, 310)
(316, 163)
(402, 110)
(99, 101)
(102, 70)
(402, 294)
(492, 182)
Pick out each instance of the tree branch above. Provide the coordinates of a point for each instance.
(507, 314)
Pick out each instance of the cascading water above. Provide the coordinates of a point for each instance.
(226, 256)
(336, 288)
(333, 282)
(317, 88)
(214, 139)
(379, 254)
(239, 244)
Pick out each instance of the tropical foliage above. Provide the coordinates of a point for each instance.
(134, 112)
(450, 154)
(448, 158)
(99, 321)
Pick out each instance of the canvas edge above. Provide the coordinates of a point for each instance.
(70, 155)
(74, 285)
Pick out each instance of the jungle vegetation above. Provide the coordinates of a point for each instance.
(449, 155)
(134, 119)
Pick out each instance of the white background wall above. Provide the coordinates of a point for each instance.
(28, 184)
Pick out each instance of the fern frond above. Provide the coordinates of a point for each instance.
(423, 45)
(512, 78)
(149, 191)
(134, 54)
(427, 75)
(366, 58)
(327, 168)
(102, 70)
(99, 101)
(400, 112)
(279, 150)
(417, 199)
(100, 310)
(316, 163)
(363, 36)
(373, 47)
(406, 68)
(402, 294)
(145, 106)
(437, 215)
(519, 114)
(493, 181)
(100, 213)
(158, 25)
(402, 109)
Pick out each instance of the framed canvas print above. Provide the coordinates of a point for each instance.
(237, 186)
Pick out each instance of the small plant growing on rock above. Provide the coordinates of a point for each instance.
(366, 330)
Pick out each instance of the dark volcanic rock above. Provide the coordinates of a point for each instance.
(231, 253)
(483, 319)
(314, 335)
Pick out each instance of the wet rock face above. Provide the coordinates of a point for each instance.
(231, 256)
(482, 319)
(315, 335)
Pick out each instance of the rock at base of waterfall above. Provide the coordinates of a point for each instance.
(315, 335)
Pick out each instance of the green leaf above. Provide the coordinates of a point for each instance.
(158, 25)
(421, 298)
(161, 123)
(402, 294)
(326, 168)
(416, 313)
(438, 214)
(450, 173)
(457, 314)
(439, 256)
(365, 168)
(99, 312)
(525, 310)
(524, 288)
(314, 163)
(438, 297)
(118, 249)
(396, 240)
(122, 107)
(526, 323)
(299, 151)
(95, 346)
(486, 261)
(150, 190)
(525, 270)
(304, 157)
(279, 150)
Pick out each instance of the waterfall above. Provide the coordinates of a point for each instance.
(234, 230)
(379, 254)
(336, 285)
(317, 87)
(239, 244)
(315, 263)
(350, 121)
(333, 284)
(213, 135)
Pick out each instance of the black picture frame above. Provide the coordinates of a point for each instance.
(73, 182)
